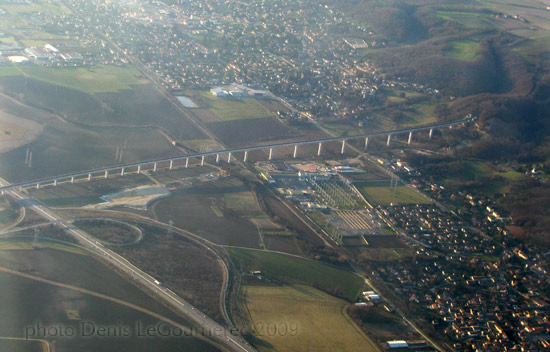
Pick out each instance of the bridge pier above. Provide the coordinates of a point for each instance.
(366, 142)
(186, 163)
(106, 173)
(295, 150)
(139, 168)
(245, 156)
(431, 132)
(270, 153)
(388, 141)
(154, 167)
(172, 164)
(343, 146)
(202, 160)
(217, 158)
(122, 172)
(72, 179)
(38, 186)
(55, 183)
(229, 158)
(410, 137)
(89, 177)
(319, 149)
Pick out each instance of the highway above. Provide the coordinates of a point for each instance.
(213, 330)
(97, 171)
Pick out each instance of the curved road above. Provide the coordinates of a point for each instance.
(217, 332)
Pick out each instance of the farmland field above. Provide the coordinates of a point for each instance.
(137, 105)
(234, 109)
(32, 293)
(301, 318)
(90, 148)
(481, 175)
(79, 194)
(202, 210)
(102, 78)
(291, 269)
(377, 193)
(251, 131)
(242, 202)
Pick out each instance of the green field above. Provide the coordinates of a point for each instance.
(386, 254)
(482, 176)
(9, 70)
(243, 202)
(301, 318)
(16, 244)
(84, 193)
(99, 79)
(464, 50)
(467, 18)
(381, 193)
(532, 48)
(7, 40)
(298, 270)
(234, 109)
(399, 95)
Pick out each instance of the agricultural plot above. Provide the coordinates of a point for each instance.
(85, 193)
(202, 210)
(383, 241)
(291, 269)
(470, 19)
(380, 193)
(382, 254)
(268, 228)
(251, 131)
(281, 242)
(25, 299)
(242, 202)
(234, 109)
(480, 175)
(99, 79)
(64, 148)
(301, 318)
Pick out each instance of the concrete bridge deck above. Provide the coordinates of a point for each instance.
(123, 168)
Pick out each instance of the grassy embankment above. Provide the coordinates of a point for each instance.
(289, 269)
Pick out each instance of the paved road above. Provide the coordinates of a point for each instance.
(214, 330)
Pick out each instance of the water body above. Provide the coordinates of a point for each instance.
(187, 102)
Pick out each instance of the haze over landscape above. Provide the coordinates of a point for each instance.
(311, 175)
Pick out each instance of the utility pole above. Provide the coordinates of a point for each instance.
(35, 238)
